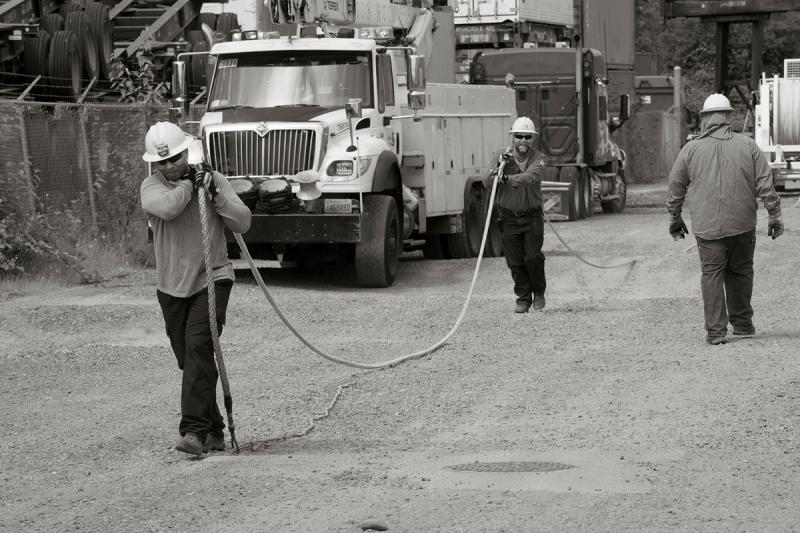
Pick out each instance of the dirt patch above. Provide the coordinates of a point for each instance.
(662, 431)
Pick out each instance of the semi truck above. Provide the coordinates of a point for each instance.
(356, 139)
(483, 25)
(565, 92)
(777, 127)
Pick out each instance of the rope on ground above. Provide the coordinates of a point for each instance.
(578, 256)
(212, 316)
(392, 362)
(426, 351)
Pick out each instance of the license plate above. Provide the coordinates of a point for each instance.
(338, 206)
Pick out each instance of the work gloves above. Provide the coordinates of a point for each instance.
(203, 178)
(677, 227)
(775, 227)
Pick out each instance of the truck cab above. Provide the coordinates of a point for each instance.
(565, 92)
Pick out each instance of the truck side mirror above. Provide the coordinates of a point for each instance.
(416, 81)
(624, 108)
(180, 97)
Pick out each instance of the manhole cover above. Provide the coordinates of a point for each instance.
(510, 466)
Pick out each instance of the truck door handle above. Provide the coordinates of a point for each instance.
(387, 120)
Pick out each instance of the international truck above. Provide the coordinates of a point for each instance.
(777, 126)
(357, 139)
(565, 92)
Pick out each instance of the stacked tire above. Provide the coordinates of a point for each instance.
(71, 47)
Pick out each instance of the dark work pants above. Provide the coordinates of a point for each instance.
(523, 237)
(189, 334)
(727, 282)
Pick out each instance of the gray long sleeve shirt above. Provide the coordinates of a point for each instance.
(174, 214)
(722, 174)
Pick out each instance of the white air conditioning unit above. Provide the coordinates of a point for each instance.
(791, 68)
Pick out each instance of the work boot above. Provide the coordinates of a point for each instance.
(522, 307)
(538, 301)
(744, 333)
(214, 443)
(716, 339)
(191, 444)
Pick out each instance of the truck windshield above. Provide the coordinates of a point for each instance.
(273, 79)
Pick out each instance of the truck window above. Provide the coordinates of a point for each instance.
(385, 83)
(302, 78)
(603, 108)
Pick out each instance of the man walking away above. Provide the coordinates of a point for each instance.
(170, 201)
(722, 174)
(519, 199)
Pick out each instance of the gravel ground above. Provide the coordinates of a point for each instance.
(654, 430)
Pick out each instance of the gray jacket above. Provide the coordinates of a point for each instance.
(722, 174)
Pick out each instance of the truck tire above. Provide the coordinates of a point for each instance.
(101, 26)
(494, 240)
(467, 242)
(68, 8)
(64, 64)
(617, 205)
(78, 23)
(51, 23)
(572, 176)
(226, 23)
(378, 253)
(588, 193)
(35, 53)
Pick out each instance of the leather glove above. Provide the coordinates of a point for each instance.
(677, 228)
(203, 178)
(775, 227)
(505, 156)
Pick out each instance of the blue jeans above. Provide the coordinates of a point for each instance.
(727, 282)
(189, 334)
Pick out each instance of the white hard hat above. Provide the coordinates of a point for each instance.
(164, 140)
(523, 125)
(716, 102)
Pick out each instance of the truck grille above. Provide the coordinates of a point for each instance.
(245, 153)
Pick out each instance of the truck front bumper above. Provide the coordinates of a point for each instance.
(305, 228)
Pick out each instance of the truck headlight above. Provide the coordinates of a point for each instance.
(342, 170)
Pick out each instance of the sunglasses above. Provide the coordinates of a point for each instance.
(524, 137)
(174, 159)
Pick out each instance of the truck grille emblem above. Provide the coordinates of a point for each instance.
(262, 129)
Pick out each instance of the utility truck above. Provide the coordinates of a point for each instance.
(565, 92)
(777, 124)
(357, 139)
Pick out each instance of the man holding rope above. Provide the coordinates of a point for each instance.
(722, 174)
(171, 204)
(519, 199)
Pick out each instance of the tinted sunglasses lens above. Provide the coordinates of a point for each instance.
(174, 159)
(525, 137)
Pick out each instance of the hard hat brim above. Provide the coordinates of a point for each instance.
(150, 158)
(721, 109)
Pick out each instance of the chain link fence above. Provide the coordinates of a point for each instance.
(80, 159)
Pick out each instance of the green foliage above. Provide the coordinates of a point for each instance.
(137, 80)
